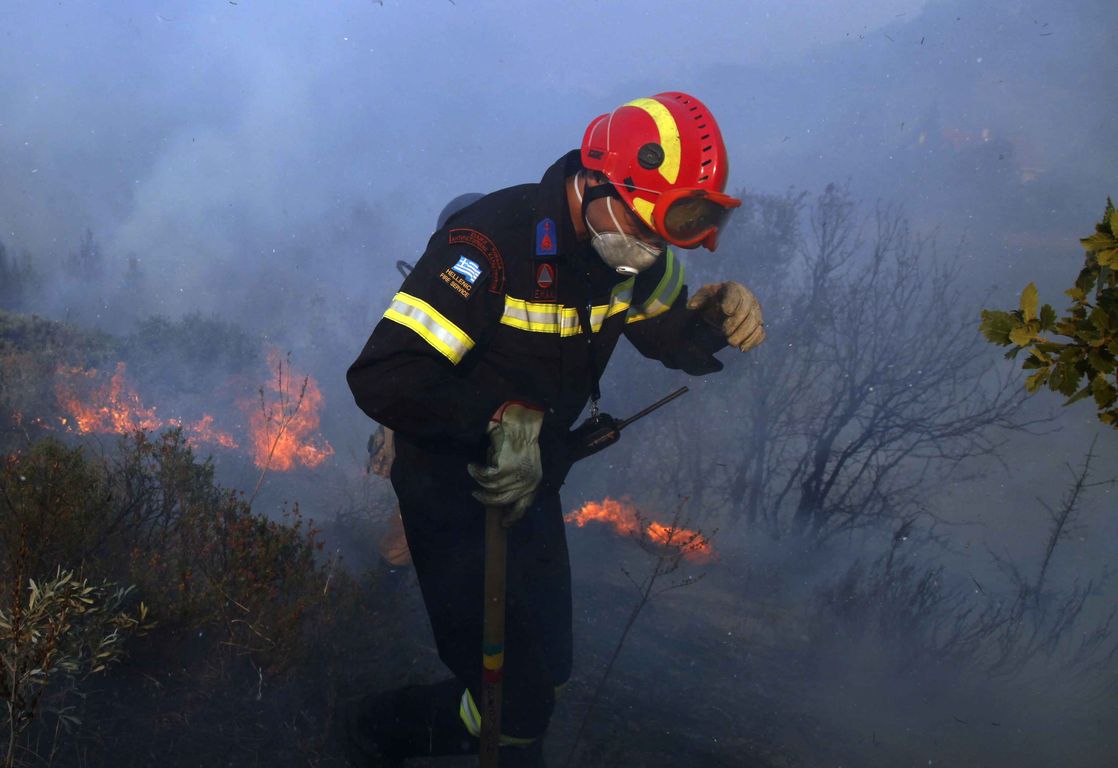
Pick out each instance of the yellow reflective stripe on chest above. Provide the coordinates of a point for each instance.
(558, 319)
(431, 325)
(665, 293)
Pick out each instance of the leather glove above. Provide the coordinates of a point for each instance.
(513, 469)
(734, 310)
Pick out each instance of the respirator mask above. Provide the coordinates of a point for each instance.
(625, 254)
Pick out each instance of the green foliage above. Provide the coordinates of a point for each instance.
(1085, 365)
(154, 517)
(65, 628)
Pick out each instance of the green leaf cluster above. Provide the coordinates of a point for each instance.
(1084, 365)
(65, 627)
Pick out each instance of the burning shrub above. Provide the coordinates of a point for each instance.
(31, 350)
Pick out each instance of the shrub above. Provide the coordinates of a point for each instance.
(240, 600)
(66, 628)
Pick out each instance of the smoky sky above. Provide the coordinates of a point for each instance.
(321, 139)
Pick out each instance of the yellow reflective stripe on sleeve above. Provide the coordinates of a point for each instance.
(471, 718)
(562, 320)
(665, 293)
(431, 326)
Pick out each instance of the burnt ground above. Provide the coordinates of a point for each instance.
(702, 679)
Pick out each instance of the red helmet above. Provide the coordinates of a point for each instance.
(665, 157)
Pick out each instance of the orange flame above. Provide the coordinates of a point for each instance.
(112, 406)
(283, 421)
(203, 430)
(115, 407)
(625, 520)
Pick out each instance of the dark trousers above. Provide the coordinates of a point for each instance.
(445, 527)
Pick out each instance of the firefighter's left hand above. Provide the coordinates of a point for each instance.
(513, 468)
(733, 309)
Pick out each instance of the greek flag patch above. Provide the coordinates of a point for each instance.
(468, 269)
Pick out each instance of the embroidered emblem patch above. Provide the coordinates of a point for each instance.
(547, 282)
(545, 275)
(546, 240)
(487, 249)
(462, 276)
(468, 269)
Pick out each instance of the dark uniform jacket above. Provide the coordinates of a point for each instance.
(491, 313)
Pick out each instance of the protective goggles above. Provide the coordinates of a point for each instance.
(692, 217)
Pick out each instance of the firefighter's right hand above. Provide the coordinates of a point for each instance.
(734, 310)
(513, 469)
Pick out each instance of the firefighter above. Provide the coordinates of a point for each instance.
(483, 362)
(393, 545)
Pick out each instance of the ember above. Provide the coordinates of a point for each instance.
(625, 520)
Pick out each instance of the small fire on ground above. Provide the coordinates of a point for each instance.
(626, 520)
(283, 417)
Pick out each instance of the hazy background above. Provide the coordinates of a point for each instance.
(317, 141)
(269, 163)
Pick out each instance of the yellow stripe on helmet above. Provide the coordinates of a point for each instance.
(643, 209)
(669, 135)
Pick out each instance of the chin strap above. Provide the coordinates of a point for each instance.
(595, 193)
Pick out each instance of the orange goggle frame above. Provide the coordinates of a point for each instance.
(692, 217)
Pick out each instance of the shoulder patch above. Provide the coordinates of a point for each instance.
(487, 249)
(462, 276)
(546, 240)
(546, 282)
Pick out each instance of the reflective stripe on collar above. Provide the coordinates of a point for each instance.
(665, 293)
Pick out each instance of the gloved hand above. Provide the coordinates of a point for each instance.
(513, 469)
(733, 309)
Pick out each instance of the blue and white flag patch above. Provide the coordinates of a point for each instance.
(468, 269)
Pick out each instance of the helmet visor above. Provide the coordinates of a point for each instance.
(693, 217)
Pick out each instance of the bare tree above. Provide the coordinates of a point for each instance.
(872, 384)
(909, 603)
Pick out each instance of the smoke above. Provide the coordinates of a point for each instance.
(269, 166)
